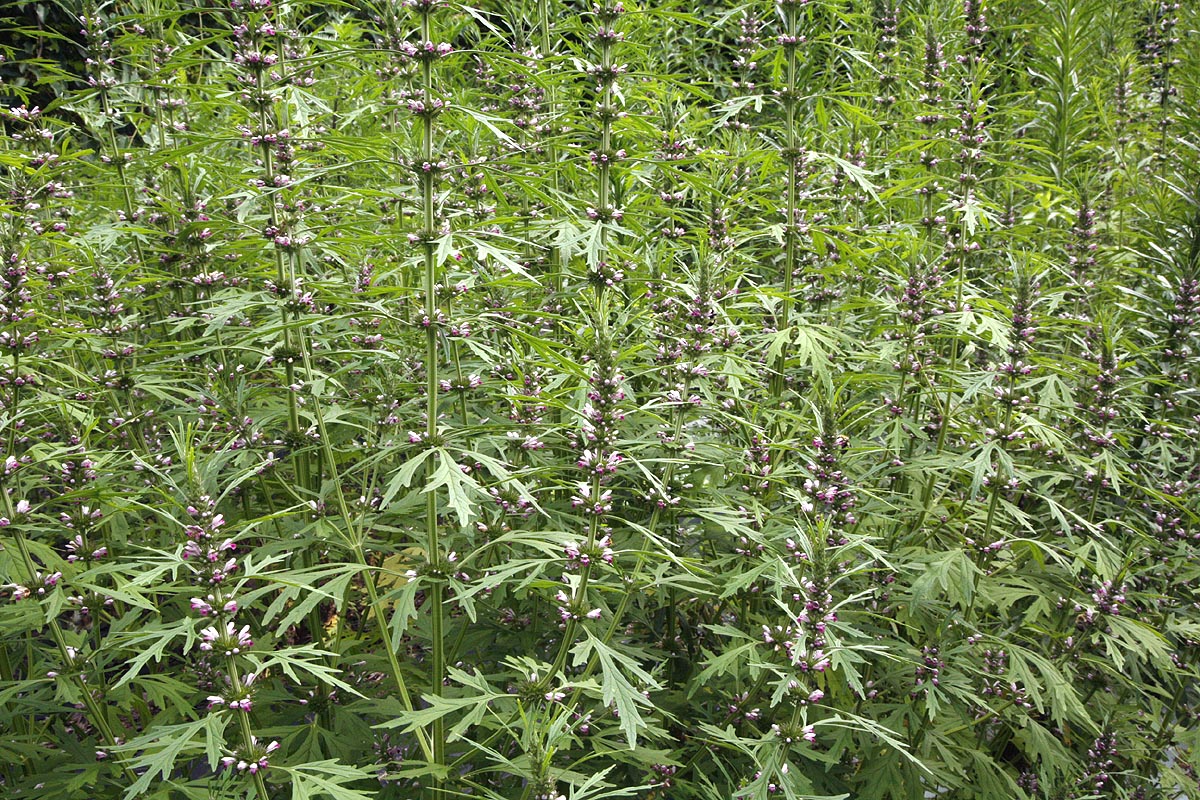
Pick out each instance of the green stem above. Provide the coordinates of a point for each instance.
(248, 746)
(580, 599)
(778, 376)
(433, 551)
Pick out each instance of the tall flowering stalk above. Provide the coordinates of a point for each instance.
(887, 20)
(1159, 42)
(1004, 428)
(961, 244)
(917, 298)
(599, 458)
(101, 67)
(215, 565)
(791, 40)
(426, 105)
(258, 44)
(745, 65)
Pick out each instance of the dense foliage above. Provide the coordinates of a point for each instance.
(533, 399)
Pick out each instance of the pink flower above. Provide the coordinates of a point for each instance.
(73, 547)
(255, 761)
(208, 637)
(231, 641)
(202, 607)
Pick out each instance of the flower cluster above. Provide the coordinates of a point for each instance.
(1081, 249)
(253, 760)
(975, 28)
(995, 684)
(571, 610)
(929, 670)
(830, 489)
(1102, 762)
(1099, 394)
(581, 555)
(745, 64)
(209, 552)
(886, 52)
(602, 414)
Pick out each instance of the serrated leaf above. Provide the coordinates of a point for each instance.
(151, 642)
(475, 704)
(329, 780)
(302, 585)
(157, 751)
(403, 477)
(301, 659)
(615, 688)
(458, 485)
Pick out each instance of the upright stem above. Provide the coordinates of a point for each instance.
(551, 110)
(378, 608)
(248, 746)
(286, 277)
(631, 580)
(790, 155)
(605, 35)
(433, 545)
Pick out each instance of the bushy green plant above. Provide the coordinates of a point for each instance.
(534, 399)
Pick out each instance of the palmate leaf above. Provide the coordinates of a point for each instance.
(301, 590)
(151, 642)
(511, 574)
(811, 345)
(844, 719)
(475, 703)
(727, 662)
(459, 486)
(1133, 639)
(615, 688)
(301, 659)
(734, 106)
(595, 787)
(988, 778)
(951, 574)
(854, 172)
(487, 121)
(1043, 745)
(1047, 687)
(484, 252)
(157, 751)
(165, 692)
(330, 780)
(403, 476)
